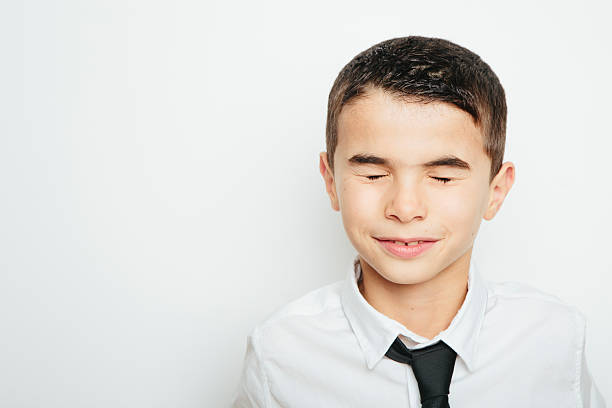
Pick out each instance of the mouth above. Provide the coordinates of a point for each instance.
(406, 248)
(407, 241)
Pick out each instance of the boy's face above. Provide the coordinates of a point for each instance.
(408, 201)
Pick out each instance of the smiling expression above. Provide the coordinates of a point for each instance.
(407, 169)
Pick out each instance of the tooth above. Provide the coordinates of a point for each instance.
(413, 243)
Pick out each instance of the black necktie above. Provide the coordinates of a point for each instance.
(433, 368)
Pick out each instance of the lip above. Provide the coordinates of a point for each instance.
(406, 239)
(407, 251)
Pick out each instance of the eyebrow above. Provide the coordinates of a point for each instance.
(447, 160)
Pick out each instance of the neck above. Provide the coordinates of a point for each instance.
(425, 308)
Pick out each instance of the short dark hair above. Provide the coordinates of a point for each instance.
(424, 69)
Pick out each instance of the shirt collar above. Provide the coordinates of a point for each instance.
(375, 332)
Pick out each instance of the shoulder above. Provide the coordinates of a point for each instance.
(312, 311)
(537, 311)
(519, 293)
(540, 329)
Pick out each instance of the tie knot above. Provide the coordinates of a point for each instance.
(432, 366)
(399, 352)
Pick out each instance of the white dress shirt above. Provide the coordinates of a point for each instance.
(516, 347)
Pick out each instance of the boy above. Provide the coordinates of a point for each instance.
(415, 143)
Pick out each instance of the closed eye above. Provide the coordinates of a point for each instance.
(443, 180)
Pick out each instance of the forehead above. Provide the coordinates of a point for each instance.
(407, 133)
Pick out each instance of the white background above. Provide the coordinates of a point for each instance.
(161, 193)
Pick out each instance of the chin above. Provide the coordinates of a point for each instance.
(408, 278)
(402, 273)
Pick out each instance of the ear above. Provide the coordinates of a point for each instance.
(499, 188)
(328, 176)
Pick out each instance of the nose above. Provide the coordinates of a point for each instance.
(405, 202)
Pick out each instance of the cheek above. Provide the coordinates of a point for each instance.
(460, 211)
(358, 202)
